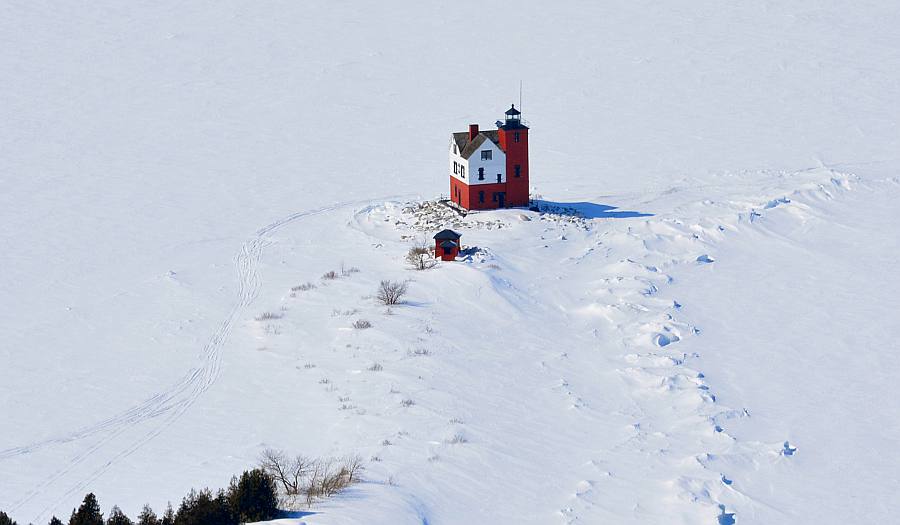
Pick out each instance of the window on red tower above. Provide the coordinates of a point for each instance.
(518, 170)
(516, 137)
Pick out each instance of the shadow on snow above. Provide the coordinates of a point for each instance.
(588, 210)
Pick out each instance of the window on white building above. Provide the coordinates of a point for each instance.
(486, 154)
(480, 173)
(462, 171)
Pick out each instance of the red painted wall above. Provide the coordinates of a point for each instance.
(489, 190)
(449, 255)
(516, 153)
(462, 197)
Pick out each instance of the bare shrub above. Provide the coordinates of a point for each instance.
(345, 270)
(312, 478)
(407, 403)
(391, 292)
(328, 477)
(420, 257)
(493, 266)
(361, 324)
(353, 466)
(330, 275)
(456, 439)
(418, 352)
(303, 287)
(375, 368)
(345, 313)
(268, 316)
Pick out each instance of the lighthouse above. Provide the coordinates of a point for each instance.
(489, 168)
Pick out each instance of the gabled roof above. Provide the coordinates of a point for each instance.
(447, 235)
(467, 148)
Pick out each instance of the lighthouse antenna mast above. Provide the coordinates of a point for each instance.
(520, 94)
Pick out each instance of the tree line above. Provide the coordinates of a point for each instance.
(279, 481)
(251, 497)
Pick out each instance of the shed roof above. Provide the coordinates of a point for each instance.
(447, 235)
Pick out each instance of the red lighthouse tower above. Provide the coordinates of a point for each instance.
(513, 136)
(489, 169)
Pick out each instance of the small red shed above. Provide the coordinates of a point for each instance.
(446, 244)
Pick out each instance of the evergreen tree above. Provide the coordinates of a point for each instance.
(55, 521)
(147, 516)
(201, 508)
(117, 517)
(168, 517)
(6, 520)
(88, 513)
(253, 497)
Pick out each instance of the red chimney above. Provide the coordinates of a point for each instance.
(473, 131)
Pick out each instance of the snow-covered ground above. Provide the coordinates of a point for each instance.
(707, 341)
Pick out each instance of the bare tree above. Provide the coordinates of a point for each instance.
(290, 472)
(391, 292)
(420, 257)
(354, 466)
(312, 478)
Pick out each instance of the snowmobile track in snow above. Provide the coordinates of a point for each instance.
(172, 403)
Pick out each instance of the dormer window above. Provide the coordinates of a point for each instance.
(486, 154)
